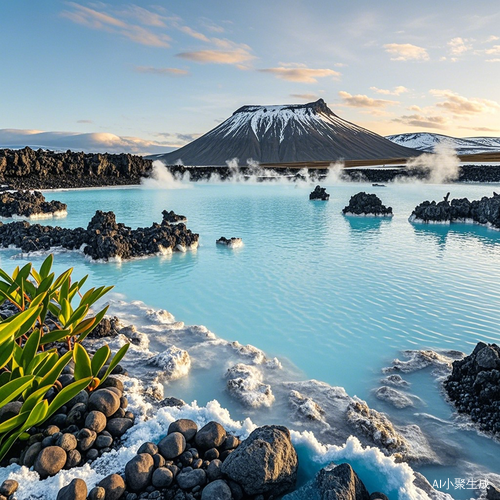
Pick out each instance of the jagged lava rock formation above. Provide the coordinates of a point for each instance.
(26, 168)
(285, 134)
(485, 211)
(364, 204)
(474, 386)
(102, 240)
(29, 204)
(319, 193)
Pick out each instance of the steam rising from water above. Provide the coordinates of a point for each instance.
(161, 178)
(440, 166)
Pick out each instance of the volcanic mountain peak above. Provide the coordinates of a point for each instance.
(286, 134)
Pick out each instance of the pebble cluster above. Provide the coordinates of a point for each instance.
(185, 464)
(88, 426)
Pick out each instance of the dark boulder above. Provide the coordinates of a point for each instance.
(367, 204)
(264, 463)
(76, 490)
(138, 471)
(319, 193)
(114, 485)
(211, 435)
(474, 386)
(50, 461)
(333, 483)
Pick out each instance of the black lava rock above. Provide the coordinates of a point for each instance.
(367, 204)
(474, 386)
(319, 193)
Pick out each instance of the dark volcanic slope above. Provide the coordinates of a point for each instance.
(279, 134)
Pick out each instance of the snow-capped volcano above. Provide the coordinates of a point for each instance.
(285, 134)
(425, 141)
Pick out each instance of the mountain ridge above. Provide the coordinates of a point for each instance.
(426, 141)
(285, 133)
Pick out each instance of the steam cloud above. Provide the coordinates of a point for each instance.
(441, 166)
(161, 178)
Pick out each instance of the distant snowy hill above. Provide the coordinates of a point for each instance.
(285, 134)
(425, 141)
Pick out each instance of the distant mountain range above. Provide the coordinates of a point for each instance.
(285, 134)
(425, 141)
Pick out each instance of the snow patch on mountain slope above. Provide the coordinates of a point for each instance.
(426, 141)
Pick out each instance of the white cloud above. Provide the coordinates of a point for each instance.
(101, 142)
(305, 97)
(494, 51)
(406, 52)
(293, 72)
(175, 72)
(363, 101)
(395, 91)
(457, 46)
(424, 121)
(103, 21)
(460, 105)
(233, 56)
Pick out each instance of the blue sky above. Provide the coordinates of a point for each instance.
(147, 77)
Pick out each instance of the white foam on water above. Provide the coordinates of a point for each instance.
(153, 333)
(58, 214)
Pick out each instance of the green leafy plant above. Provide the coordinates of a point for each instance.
(28, 371)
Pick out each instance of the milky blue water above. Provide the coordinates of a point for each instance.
(337, 297)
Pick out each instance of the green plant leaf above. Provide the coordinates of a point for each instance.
(85, 325)
(6, 351)
(46, 364)
(10, 391)
(82, 362)
(55, 336)
(46, 266)
(51, 377)
(116, 359)
(36, 361)
(35, 398)
(6, 277)
(67, 393)
(99, 359)
(78, 314)
(30, 348)
(4, 378)
(98, 319)
(60, 280)
(13, 324)
(45, 284)
(65, 311)
(13, 422)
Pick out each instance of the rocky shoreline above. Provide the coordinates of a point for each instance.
(104, 238)
(39, 169)
(474, 387)
(485, 211)
(29, 204)
(467, 173)
(190, 461)
(30, 169)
